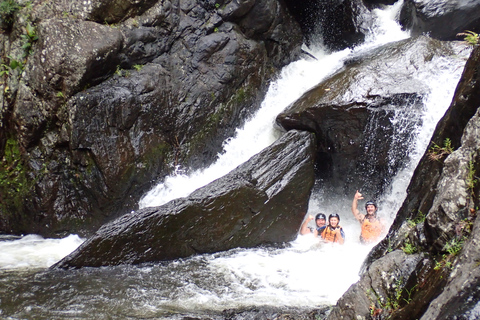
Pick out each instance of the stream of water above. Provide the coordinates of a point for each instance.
(302, 274)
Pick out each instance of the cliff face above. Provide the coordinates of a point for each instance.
(100, 98)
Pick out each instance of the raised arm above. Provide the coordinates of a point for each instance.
(355, 211)
(305, 229)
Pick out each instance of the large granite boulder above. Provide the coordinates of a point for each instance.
(353, 113)
(104, 98)
(262, 201)
(437, 221)
(441, 19)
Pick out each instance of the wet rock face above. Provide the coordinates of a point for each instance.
(353, 112)
(262, 201)
(442, 201)
(115, 94)
(378, 3)
(441, 19)
(379, 286)
(340, 24)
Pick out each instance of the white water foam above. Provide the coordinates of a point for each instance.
(34, 251)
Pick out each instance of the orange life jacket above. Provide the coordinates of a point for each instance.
(371, 230)
(330, 235)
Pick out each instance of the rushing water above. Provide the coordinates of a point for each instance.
(302, 274)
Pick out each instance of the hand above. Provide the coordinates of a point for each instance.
(310, 218)
(358, 196)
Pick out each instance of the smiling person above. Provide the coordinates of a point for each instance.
(320, 221)
(333, 232)
(372, 226)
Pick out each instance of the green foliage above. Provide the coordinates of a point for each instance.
(409, 248)
(436, 152)
(470, 37)
(121, 72)
(7, 69)
(13, 179)
(454, 246)
(8, 8)
(420, 218)
(471, 178)
(409, 292)
(14, 63)
(396, 298)
(138, 67)
(4, 70)
(443, 263)
(29, 37)
(395, 303)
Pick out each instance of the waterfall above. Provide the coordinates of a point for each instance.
(301, 274)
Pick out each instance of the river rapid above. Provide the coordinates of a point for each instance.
(302, 274)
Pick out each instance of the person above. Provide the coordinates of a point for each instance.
(320, 221)
(333, 232)
(372, 226)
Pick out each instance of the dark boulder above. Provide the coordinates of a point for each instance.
(351, 114)
(378, 3)
(262, 201)
(441, 19)
(436, 220)
(339, 24)
(101, 111)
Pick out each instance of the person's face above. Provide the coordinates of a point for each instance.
(371, 209)
(320, 222)
(333, 222)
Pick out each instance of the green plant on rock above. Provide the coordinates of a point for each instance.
(420, 218)
(14, 183)
(122, 73)
(470, 37)
(436, 152)
(14, 63)
(445, 262)
(409, 248)
(29, 37)
(7, 69)
(4, 70)
(454, 246)
(138, 67)
(8, 8)
(471, 178)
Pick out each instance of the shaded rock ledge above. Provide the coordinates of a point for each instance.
(262, 201)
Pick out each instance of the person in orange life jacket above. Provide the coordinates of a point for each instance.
(320, 221)
(333, 232)
(372, 226)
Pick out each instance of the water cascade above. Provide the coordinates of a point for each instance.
(301, 274)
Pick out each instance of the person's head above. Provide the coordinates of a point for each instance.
(333, 220)
(320, 220)
(371, 208)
